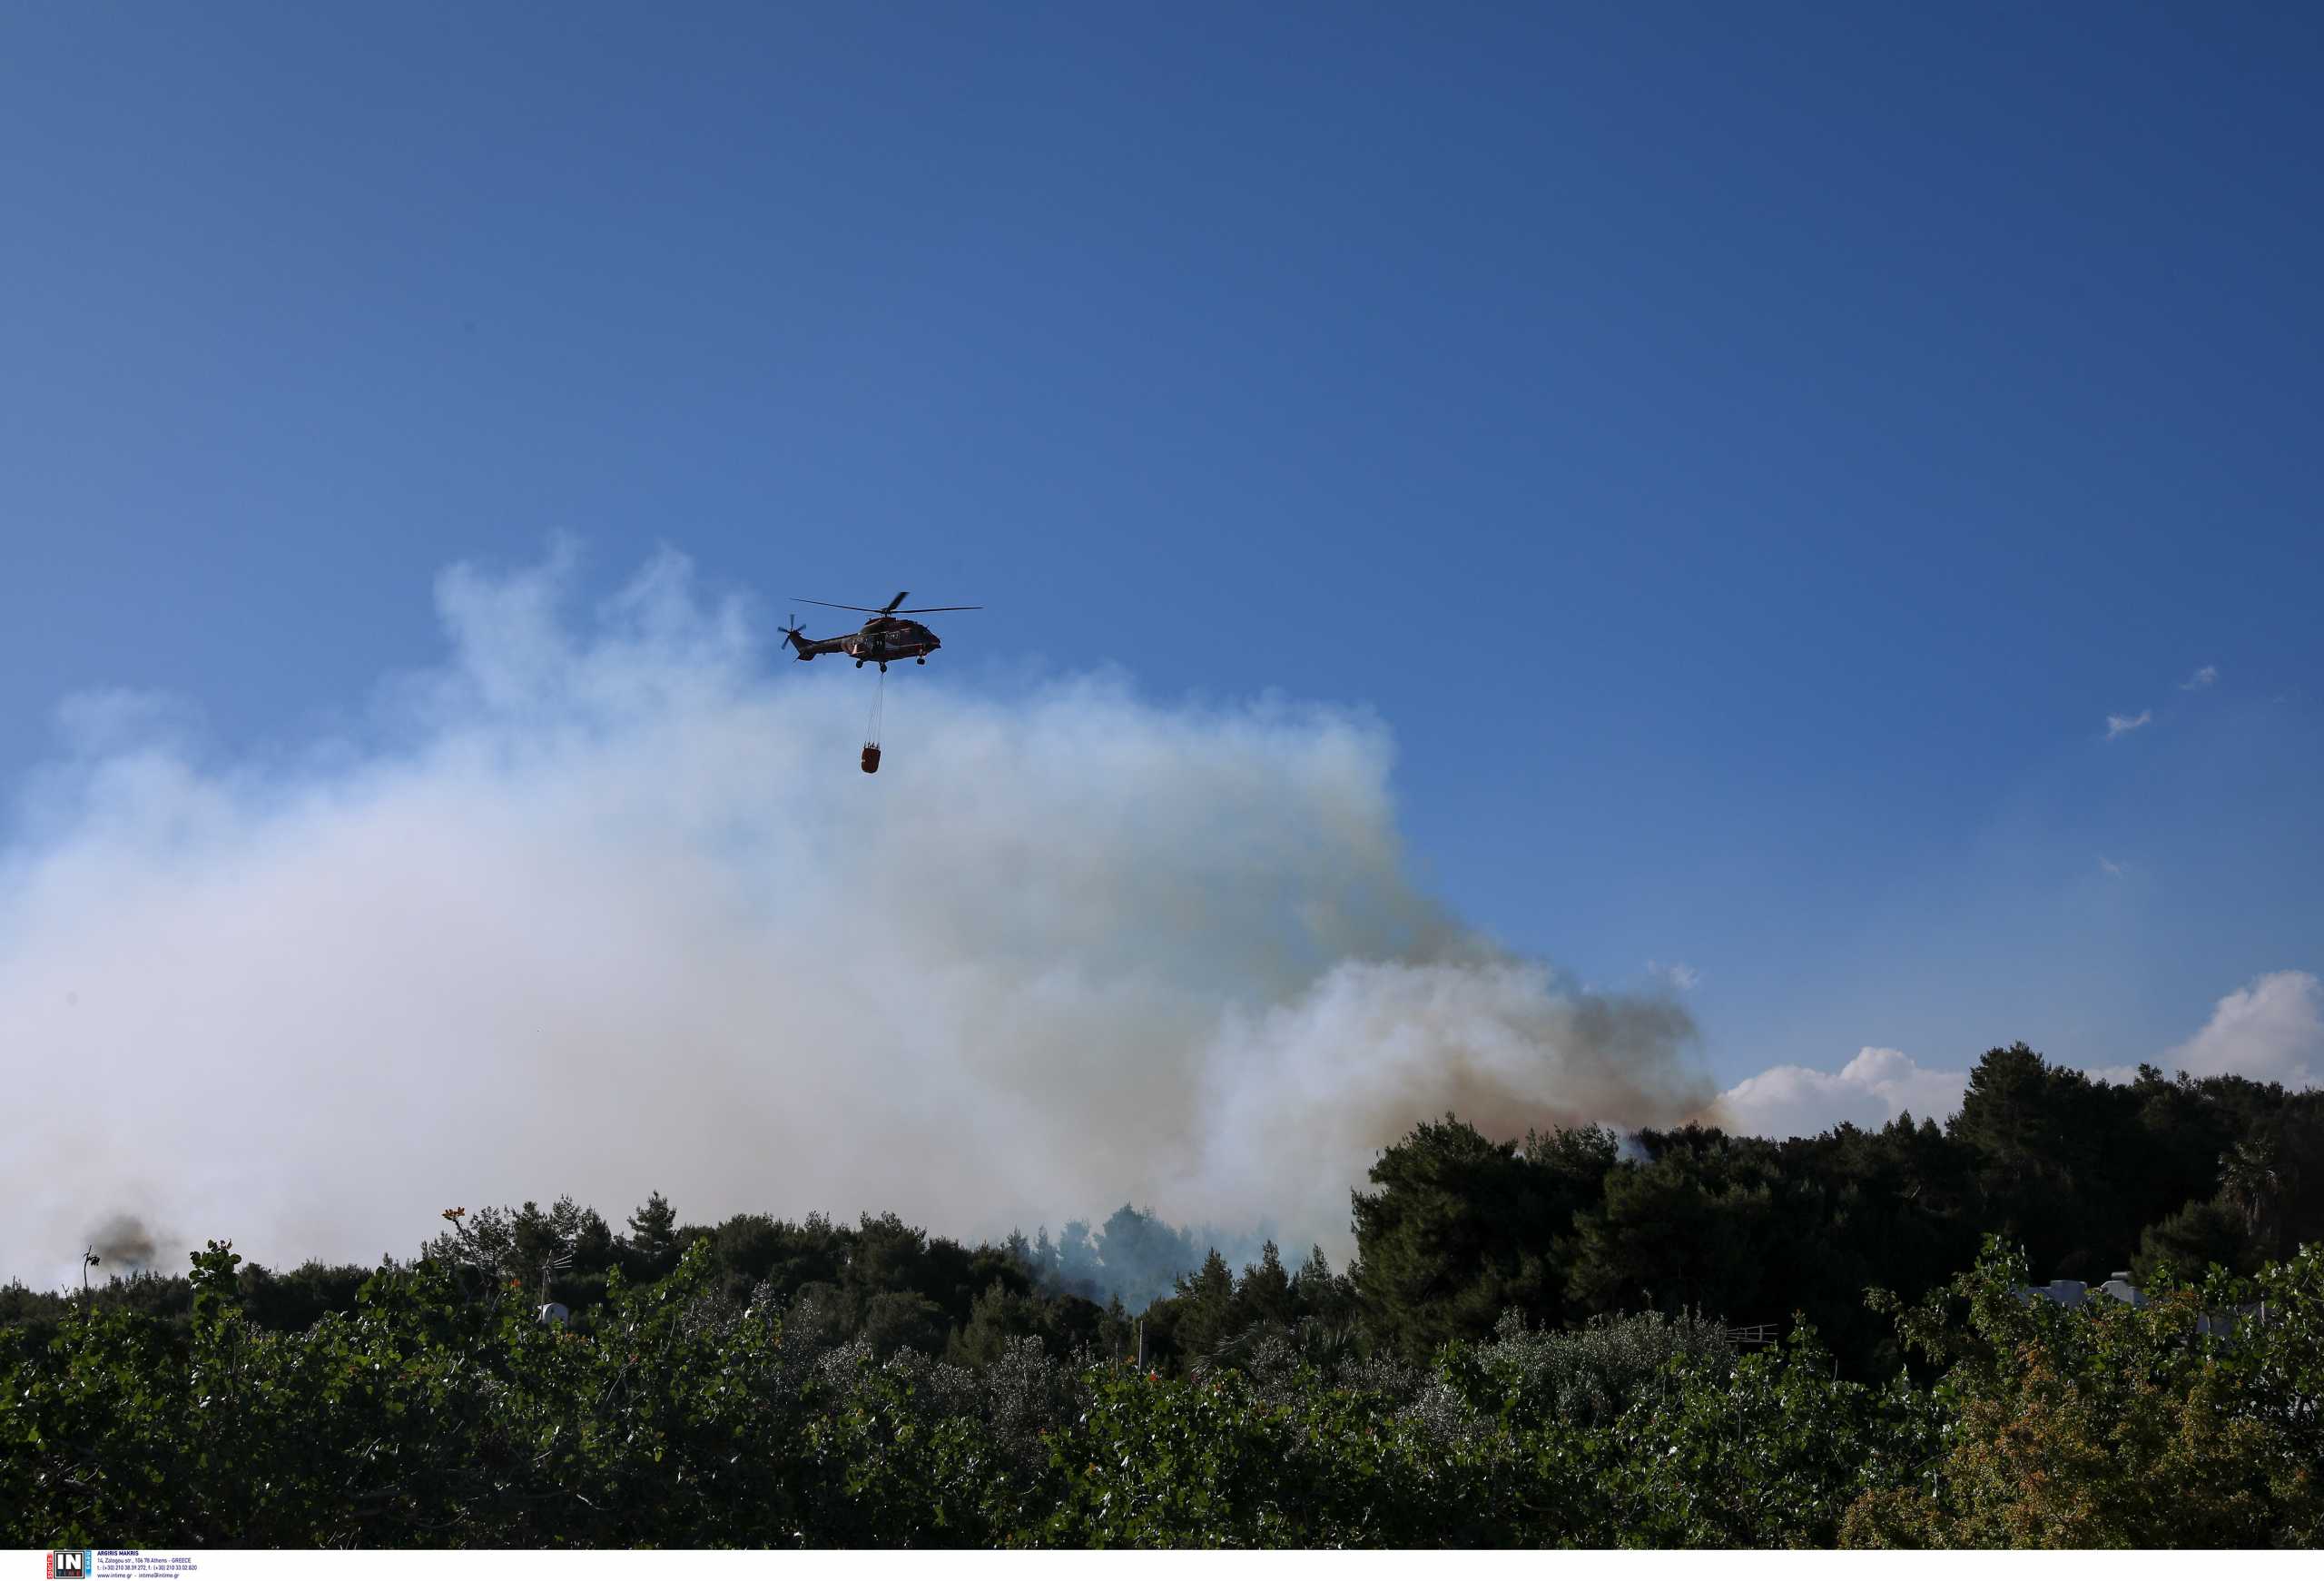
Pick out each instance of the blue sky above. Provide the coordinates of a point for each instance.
(1745, 454)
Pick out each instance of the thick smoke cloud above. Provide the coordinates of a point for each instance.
(604, 905)
(123, 1244)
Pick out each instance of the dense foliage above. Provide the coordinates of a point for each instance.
(1534, 1347)
(684, 1415)
(2091, 1176)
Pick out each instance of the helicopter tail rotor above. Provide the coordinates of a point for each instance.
(790, 635)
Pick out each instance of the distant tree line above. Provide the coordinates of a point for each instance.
(1534, 1345)
(1456, 1231)
(2089, 1177)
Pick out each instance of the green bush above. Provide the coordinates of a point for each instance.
(439, 1414)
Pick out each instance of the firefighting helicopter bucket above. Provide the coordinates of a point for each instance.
(870, 758)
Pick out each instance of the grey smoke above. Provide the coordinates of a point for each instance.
(603, 904)
(1137, 1258)
(124, 1245)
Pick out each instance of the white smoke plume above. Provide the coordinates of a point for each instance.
(606, 906)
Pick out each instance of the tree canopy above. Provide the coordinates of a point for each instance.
(1550, 1339)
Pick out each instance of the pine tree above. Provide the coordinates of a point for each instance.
(1265, 1294)
(653, 1228)
(1318, 1292)
(1078, 1271)
(1206, 1308)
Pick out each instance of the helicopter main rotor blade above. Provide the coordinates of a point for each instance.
(889, 607)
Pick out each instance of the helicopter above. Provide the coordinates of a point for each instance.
(883, 637)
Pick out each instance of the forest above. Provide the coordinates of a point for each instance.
(1553, 1340)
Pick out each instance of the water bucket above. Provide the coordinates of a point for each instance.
(871, 760)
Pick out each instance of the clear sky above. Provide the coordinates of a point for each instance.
(1745, 454)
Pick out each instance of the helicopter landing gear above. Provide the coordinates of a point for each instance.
(920, 661)
(858, 663)
(883, 667)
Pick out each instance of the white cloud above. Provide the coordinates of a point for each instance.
(618, 912)
(1678, 974)
(2123, 724)
(2201, 678)
(2112, 869)
(1871, 1090)
(2271, 1030)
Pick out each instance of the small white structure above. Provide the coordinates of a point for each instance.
(554, 1312)
(2073, 1292)
(2064, 1292)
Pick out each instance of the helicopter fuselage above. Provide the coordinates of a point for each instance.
(883, 639)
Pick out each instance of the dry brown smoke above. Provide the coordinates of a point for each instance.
(124, 1245)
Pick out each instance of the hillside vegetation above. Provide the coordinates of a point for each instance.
(1534, 1347)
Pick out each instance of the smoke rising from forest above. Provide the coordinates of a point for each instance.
(124, 1245)
(603, 905)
